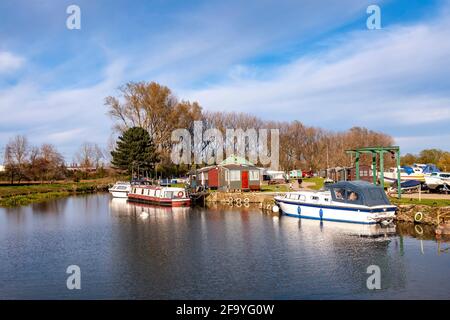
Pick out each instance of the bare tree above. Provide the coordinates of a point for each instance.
(89, 156)
(16, 152)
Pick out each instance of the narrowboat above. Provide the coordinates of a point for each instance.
(163, 196)
(344, 201)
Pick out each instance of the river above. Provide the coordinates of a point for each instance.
(127, 251)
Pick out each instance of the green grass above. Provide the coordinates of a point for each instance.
(16, 195)
(22, 200)
(426, 202)
(318, 182)
(275, 188)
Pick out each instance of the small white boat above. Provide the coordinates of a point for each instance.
(406, 174)
(438, 181)
(120, 189)
(344, 201)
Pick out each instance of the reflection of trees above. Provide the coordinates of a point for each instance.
(56, 206)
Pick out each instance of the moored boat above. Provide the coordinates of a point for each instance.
(438, 181)
(406, 174)
(120, 189)
(345, 201)
(164, 196)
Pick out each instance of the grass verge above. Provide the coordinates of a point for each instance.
(24, 194)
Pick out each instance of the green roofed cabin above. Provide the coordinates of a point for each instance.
(232, 174)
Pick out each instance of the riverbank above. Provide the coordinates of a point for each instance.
(24, 194)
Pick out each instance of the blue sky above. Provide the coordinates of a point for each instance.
(314, 61)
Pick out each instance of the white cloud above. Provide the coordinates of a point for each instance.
(65, 117)
(395, 76)
(10, 62)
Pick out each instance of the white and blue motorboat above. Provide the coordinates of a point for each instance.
(344, 201)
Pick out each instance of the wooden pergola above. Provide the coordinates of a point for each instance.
(380, 151)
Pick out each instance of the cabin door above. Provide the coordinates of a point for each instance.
(244, 179)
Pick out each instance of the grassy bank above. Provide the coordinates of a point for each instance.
(318, 183)
(425, 202)
(24, 194)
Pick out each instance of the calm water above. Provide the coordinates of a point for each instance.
(127, 251)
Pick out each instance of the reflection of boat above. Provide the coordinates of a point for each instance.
(352, 229)
(123, 207)
(406, 173)
(163, 196)
(345, 201)
(120, 189)
(438, 181)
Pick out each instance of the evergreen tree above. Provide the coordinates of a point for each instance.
(135, 149)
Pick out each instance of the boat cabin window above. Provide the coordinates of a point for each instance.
(158, 193)
(168, 194)
(347, 195)
(134, 190)
(444, 175)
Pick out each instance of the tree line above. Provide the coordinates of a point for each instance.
(25, 162)
(438, 157)
(149, 112)
(156, 109)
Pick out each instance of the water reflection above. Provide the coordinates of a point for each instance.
(128, 250)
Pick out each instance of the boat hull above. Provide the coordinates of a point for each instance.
(183, 202)
(334, 213)
(119, 194)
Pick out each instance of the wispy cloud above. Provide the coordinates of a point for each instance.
(395, 77)
(10, 62)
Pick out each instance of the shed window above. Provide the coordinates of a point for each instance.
(235, 175)
(254, 175)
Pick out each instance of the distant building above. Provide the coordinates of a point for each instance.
(274, 177)
(234, 173)
(295, 174)
(348, 173)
